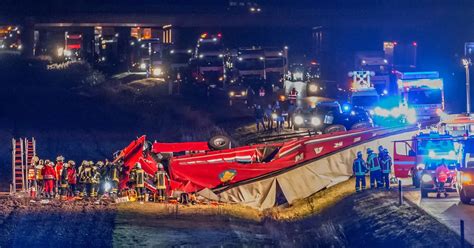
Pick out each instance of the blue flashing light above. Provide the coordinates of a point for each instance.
(419, 75)
(346, 107)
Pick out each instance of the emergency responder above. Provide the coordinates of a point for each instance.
(268, 116)
(293, 95)
(359, 168)
(380, 148)
(81, 185)
(386, 166)
(261, 92)
(374, 167)
(39, 177)
(58, 167)
(102, 170)
(113, 174)
(33, 173)
(160, 182)
(49, 176)
(139, 175)
(71, 178)
(442, 173)
(95, 180)
(86, 179)
(278, 115)
(63, 181)
(259, 114)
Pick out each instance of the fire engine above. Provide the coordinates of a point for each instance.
(208, 63)
(419, 157)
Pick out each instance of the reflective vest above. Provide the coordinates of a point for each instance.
(386, 164)
(140, 178)
(373, 162)
(114, 173)
(95, 176)
(293, 94)
(358, 167)
(71, 175)
(86, 175)
(39, 175)
(261, 92)
(160, 178)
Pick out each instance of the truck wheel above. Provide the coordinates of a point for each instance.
(219, 142)
(361, 125)
(464, 198)
(334, 128)
(424, 193)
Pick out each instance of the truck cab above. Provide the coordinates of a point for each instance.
(465, 174)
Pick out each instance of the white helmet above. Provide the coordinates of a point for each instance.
(160, 166)
(138, 165)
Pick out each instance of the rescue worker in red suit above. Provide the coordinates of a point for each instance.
(49, 176)
(160, 182)
(442, 173)
(386, 166)
(373, 164)
(359, 168)
(58, 167)
(72, 178)
(293, 95)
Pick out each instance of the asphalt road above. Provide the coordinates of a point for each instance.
(448, 211)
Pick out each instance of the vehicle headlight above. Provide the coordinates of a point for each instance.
(431, 154)
(282, 98)
(157, 71)
(426, 178)
(313, 88)
(274, 116)
(466, 178)
(67, 53)
(143, 66)
(231, 93)
(315, 121)
(299, 120)
(243, 93)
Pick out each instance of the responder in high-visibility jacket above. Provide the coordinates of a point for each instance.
(39, 177)
(293, 95)
(261, 92)
(32, 173)
(373, 164)
(359, 169)
(102, 170)
(86, 179)
(113, 175)
(139, 176)
(95, 181)
(63, 181)
(49, 176)
(81, 183)
(58, 167)
(72, 178)
(386, 166)
(160, 182)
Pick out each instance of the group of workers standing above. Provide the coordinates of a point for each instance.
(377, 165)
(62, 179)
(273, 117)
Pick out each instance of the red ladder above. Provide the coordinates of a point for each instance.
(18, 165)
(22, 153)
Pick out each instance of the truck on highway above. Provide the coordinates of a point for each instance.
(208, 64)
(73, 47)
(148, 57)
(275, 66)
(376, 63)
(177, 61)
(419, 157)
(251, 66)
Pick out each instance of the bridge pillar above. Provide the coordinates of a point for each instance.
(123, 45)
(28, 38)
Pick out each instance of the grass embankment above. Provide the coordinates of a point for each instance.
(300, 209)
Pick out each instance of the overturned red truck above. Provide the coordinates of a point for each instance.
(193, 166)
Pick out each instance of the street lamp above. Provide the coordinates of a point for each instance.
(466, 63)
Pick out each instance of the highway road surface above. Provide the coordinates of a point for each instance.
(448, 211)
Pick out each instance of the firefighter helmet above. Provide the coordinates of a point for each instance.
(359, 154)
(138, 165)
(60, 158)
(35, 159)
(100, 163)
(369, 150)
(160, 166)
